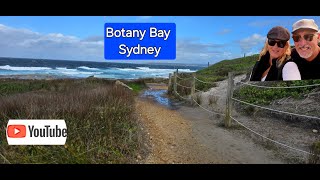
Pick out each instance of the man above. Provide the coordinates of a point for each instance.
(305, 34)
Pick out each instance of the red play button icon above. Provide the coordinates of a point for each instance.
(16, 131)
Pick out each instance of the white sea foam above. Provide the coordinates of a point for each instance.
(84, 71)
(13, 68)
(89, 68)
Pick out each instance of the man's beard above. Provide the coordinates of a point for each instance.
(305, 53)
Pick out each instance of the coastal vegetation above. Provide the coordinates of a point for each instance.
(100, 116)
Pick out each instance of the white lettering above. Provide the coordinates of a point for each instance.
(157, 51)
(153, 32)
(143, 33)
(122, 47)
(138, 50)
(110, 32)
(166, 34)
(159, 33)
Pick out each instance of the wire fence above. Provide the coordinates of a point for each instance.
(228, 114)
(279, 87)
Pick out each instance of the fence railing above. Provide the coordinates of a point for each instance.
(229, 101)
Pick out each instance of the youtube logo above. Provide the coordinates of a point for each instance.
(36, 132)
(16, 131)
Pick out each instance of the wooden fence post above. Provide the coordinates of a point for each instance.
(169, 91)
(193, 85)
(175, 82)
(227, 121)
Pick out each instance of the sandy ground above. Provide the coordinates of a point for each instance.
(189, 134)
(170, 137)
(291, 138)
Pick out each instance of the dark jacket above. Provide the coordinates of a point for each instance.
(308, 69)
(274, 74)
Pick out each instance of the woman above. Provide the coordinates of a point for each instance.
(274, 55)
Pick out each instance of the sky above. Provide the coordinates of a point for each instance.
(199, 39)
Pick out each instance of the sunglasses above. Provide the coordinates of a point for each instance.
(280, 44)
(307, 37)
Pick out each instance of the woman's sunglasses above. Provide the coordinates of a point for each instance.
(281, 44)
(307, 37)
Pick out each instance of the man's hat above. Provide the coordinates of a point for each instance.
(279, 33)
(305, 24)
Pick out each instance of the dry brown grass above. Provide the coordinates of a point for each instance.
(99, 115)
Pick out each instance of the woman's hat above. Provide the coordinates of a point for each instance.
(279, 33)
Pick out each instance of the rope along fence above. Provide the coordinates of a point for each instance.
(230, 98)
(193, 89)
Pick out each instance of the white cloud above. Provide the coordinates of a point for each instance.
(192, 51)
(93, 38)
(247, 44)
(24, 43)
(27, 44)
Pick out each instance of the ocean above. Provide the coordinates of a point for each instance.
(84, 69)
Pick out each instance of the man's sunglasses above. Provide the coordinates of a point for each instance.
(281, 44)
(307, 37)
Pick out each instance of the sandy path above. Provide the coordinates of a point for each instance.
(190, 135)
(170, 136)
(226, 143)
